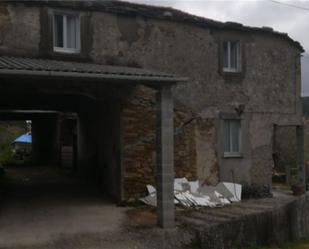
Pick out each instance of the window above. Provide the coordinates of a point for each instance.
(232, 137)
(231, 56)
(66, 33)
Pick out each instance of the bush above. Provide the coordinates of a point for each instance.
(255, 191)
(6, 156)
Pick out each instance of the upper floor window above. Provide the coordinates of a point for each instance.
(231, 56)
(66, 33)
(232, 137)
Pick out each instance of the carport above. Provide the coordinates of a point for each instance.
(97, 94)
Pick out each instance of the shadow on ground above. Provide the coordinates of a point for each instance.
(45, 208)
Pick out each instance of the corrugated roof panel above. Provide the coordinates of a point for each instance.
(31, 64)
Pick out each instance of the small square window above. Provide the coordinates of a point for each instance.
(66, 33)
(231, 56)
(232, 137)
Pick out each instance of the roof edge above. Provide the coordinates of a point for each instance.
(16, 72)
(156, 12)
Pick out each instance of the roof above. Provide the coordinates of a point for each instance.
(45, 67)
(25, 138)
(167, 13)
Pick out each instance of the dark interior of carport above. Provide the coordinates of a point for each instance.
(88, 100)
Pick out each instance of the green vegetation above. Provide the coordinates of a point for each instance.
(6, 156)
(9, 131)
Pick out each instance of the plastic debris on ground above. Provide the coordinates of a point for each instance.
(193, 194)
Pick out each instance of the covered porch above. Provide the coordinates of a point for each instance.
(96, 94)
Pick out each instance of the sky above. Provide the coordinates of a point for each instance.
(290, 17)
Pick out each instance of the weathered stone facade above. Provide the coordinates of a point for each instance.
(264, 93)
(139, 142)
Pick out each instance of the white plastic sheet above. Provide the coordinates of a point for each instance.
(191, 194)
(235, 189)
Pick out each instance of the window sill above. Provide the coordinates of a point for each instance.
(231, 70)
(230, 76)
(231, 73)
(79, 57)
(233, 155)
(66, 51)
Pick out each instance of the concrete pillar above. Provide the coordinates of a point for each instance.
(165, 158)
(300, 155)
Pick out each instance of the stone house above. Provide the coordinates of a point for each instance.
(231, 86)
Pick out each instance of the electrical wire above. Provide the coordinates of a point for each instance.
(289, 5)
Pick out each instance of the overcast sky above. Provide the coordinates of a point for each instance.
(281, 17)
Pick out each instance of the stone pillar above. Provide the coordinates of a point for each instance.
(165, 158)
(300, 156)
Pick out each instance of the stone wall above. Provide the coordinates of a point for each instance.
(139, 142)
(253, 223)
(139, 136)
(19, 30)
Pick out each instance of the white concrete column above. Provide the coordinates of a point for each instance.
(165, 158)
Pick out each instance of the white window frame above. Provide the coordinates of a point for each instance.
(65, 48)
(229, 68)
(231, 153)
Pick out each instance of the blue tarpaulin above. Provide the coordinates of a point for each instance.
(25, 138)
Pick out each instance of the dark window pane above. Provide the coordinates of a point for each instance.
(232, 135)
(58, 30)
(234, 54)
(72, 32)
(226, 136)
(225, 55)
(235, 135)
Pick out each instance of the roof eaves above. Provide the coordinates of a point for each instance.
(124, 77)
